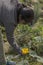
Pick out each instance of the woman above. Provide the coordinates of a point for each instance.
(11, 14)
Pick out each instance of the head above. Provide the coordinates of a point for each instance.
(25, 14)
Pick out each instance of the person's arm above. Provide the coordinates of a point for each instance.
(9, 18)
(10, 37)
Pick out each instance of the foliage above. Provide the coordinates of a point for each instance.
(29, 37)
(25, 34)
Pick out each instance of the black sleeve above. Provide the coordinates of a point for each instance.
(10, 36)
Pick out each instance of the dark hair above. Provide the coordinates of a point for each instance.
(20, 6)
(27, 13)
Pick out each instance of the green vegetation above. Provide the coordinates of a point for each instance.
(31, 37)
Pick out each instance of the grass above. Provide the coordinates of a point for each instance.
(31, 63)
(36, 63)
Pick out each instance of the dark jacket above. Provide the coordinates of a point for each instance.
(8, 17)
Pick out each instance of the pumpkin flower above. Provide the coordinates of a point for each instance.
(25, 50)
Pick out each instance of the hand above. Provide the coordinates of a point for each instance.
(22, 51)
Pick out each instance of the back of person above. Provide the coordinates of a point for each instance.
(8, 11)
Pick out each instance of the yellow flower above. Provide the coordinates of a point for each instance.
(25, 50)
